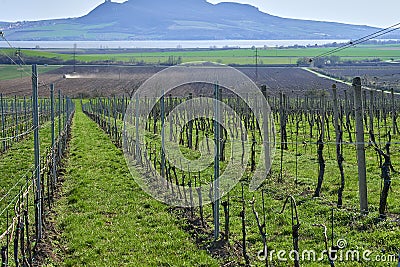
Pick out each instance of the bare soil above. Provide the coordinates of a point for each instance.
(102, 80)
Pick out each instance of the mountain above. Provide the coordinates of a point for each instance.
(179, 20)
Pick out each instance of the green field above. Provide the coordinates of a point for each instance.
(103, 218)
(361, 232)
(225, 56)
(10, 72)
(106, 219)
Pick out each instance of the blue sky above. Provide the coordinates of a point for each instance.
(382, 13)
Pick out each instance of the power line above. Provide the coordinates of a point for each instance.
(359, 41)
(42, 83)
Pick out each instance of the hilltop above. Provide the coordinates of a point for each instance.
(179, 20)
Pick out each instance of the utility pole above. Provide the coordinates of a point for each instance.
(75, 58)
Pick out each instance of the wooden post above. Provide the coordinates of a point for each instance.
(362, 173)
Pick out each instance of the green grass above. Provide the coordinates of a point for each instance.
(244, 56)
(9, 72)
(18, 162)
(226, 56)
(361, 232)
(106, 219)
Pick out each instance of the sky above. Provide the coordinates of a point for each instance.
(383, 13)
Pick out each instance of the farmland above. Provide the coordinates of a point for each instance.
(378, 77)
(106, 81)
(128, 227)
(10, 72)
(229, 56)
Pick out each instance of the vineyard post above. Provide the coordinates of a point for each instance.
(266, 114)
(190, 125)
(162, 136)
(323, 115)
(109, 117)
(59, 112)
(393, 112)
(339, 155)
(371, 111)
(37, 152)
(16, 117)
(115, 119)
(137, 128)
(384, 111)
(63, 111)
(362, 179)
(3, 122)
(26, 125)
(281, 115)
(171, 123)
(53, 138)
(216, 160)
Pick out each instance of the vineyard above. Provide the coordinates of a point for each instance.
(314, 171)
(34, 136)
(380, 78)
(312, 200)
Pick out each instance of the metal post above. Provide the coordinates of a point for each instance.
(190, 125)
(162, 136)
(138, 156)
(115, 119)
(336, 112)
(63, 112)
(16, 118)
(371, 111)
(3, 123)
(362, 173)
(266, 117)
(216, 160)
(53, 135)
(393, 112)
(37, 151)
(52, 115)
(25, 115)
(109, 117)
(282, 121)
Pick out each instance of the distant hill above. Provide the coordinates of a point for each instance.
(179, 20)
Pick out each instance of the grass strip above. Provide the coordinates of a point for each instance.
(107, 220)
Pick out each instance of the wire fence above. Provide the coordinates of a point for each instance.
(25, 205)
(16, 118)
(303, 123)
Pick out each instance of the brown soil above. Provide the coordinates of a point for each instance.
(93, 81)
